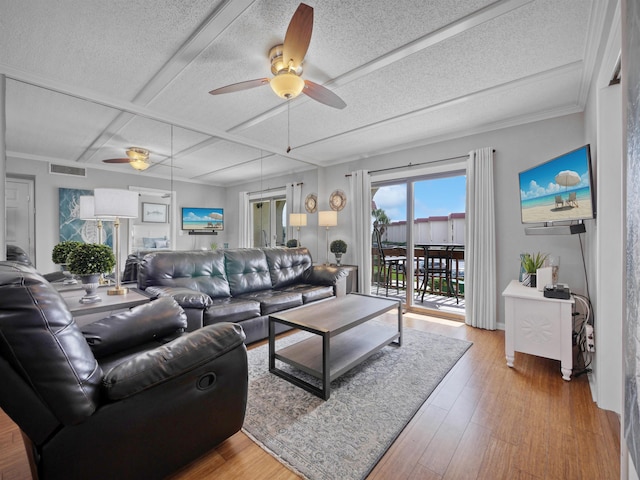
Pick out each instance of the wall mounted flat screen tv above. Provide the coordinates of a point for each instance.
(202, 219)
(559, 190)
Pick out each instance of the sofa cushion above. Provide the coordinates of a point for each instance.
(185, 297)
(203, 271)
(272, 301)
(310, 293)
(231, 310)
(247, 270)
(287, 265)
(257, 329)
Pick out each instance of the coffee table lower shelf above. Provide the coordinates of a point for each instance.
(327, 358)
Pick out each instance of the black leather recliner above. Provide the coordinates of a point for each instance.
(17, 254)
(128, 397)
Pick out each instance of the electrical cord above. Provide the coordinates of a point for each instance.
(584, 266)
(581, 320)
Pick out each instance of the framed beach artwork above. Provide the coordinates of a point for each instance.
(71, 227)
(154, 212)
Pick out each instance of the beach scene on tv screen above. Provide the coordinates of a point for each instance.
(202, 219)
(557, 190)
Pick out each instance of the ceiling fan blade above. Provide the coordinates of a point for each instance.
(117, 160)
(236, 87)
(298, 36)
(322, 95)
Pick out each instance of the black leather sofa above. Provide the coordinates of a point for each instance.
(131, 396)
(243, 286)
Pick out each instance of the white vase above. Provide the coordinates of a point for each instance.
(338, 258)
(90, 284)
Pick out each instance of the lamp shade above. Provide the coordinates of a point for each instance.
(328, 218)
(140, 165)
(298, 219)
(87, 208)
(115, 202)
(287, 85)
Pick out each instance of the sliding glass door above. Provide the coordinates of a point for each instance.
(420, 261)
(268, 220)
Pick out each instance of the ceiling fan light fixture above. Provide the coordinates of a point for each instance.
(138, 158)
(137, 153)
(287, 85)
(139, 164)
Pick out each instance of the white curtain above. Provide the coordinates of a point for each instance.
(244, 231)
(360, 188)
(289, 188)
(480, 242)
(294, 204)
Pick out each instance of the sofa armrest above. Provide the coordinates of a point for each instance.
(330, 276)
(169, 361)
(144, 323)
(186, 297)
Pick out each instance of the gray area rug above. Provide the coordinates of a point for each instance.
(344, 437)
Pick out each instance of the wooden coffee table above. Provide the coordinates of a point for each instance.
(343, 338)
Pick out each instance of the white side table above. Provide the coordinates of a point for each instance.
(538, 326)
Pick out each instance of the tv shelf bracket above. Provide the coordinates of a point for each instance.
(549, 229)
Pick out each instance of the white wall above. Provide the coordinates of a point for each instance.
(608, 297)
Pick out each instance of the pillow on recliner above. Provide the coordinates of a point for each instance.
(141, 324)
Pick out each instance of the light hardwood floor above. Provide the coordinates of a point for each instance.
(484, 421)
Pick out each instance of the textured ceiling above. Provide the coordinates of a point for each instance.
(411, 72)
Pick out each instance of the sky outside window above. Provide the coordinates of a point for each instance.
(436, 197)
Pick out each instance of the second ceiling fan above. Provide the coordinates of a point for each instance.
(137, 157)
(286, 65)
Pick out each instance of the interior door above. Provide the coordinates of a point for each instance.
(20, 221)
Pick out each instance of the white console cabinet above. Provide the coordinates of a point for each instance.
(538, 326)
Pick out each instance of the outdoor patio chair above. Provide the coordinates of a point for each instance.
(436, 267)
(572, 199)
(389, 262)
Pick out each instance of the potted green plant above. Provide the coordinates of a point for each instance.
(338, 247)
(88, 261)
(293, 243)
(59, 255)
(530, 264)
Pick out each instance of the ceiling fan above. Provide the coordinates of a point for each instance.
(286, 65)
(137, 157)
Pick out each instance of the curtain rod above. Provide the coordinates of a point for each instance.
(409, 165)
(273, 188)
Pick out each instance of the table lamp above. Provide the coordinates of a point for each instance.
(298, 220)
(115, 203)
(87, 212)
(327, 218)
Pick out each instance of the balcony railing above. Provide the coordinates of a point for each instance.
(438, 273)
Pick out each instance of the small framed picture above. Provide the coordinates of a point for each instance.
(154, 212)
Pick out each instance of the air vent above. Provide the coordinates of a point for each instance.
(65, 170)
